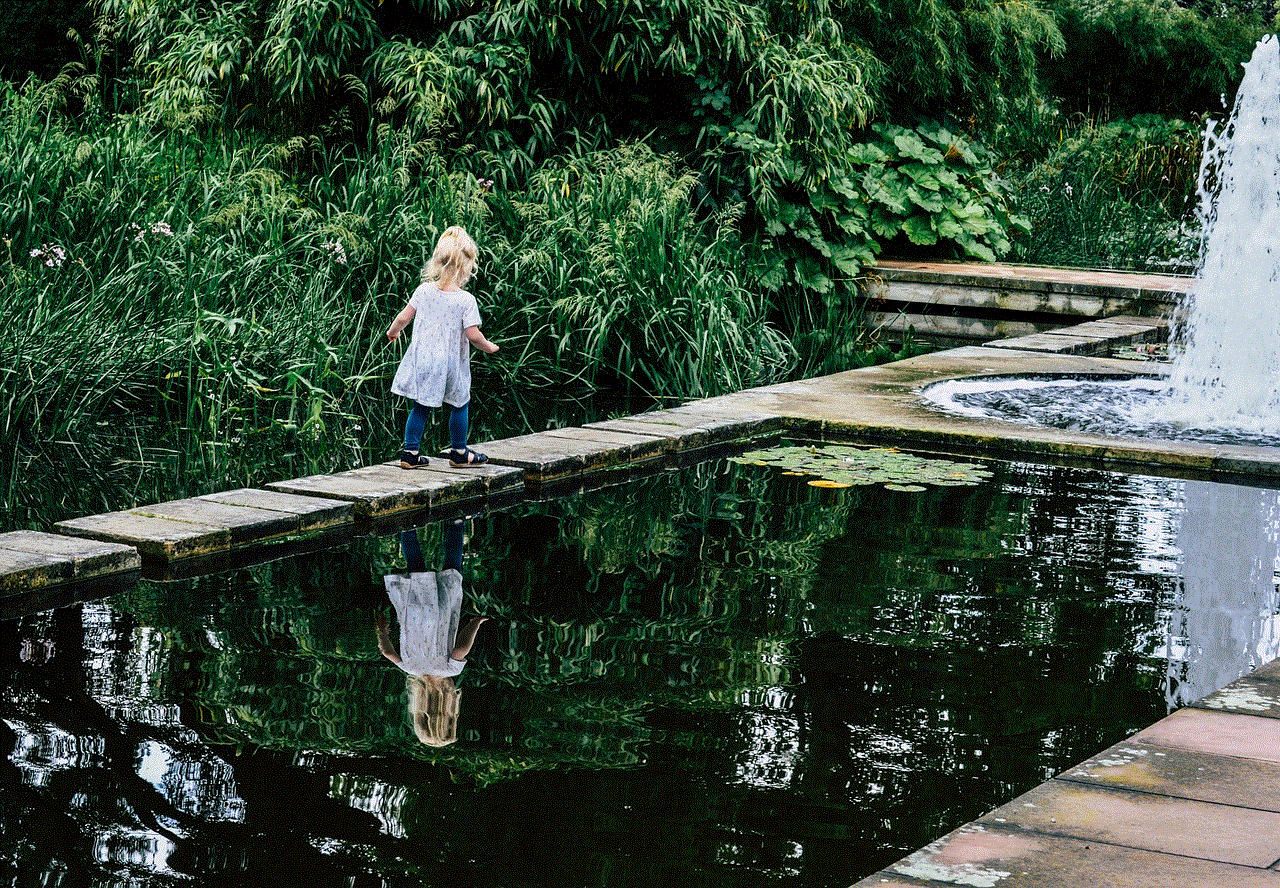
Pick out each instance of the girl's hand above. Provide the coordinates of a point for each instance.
(493, 347)
(393, 334)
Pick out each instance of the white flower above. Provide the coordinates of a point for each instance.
(140, 231)
(51, 255)
(335, 250)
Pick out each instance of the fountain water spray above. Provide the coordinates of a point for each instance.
(1226, 372)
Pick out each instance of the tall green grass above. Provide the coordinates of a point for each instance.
(1120, 194)
(221, 305)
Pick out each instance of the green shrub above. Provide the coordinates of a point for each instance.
(1119, 195)
(612, 280)
(1126, 57)
(904, 190)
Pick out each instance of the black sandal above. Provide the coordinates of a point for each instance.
(413, 460)
(461, 459)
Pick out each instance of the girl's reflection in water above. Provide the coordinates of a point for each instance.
(434, 641)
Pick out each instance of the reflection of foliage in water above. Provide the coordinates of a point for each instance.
(687, 592)
(681, 590)
(744, 660)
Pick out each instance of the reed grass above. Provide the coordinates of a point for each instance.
(1120, 194)
(235, 293)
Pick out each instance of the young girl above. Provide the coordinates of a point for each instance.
(436, 368)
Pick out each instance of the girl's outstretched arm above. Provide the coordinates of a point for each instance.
(402, 320)
(477, 339)
(385, 645)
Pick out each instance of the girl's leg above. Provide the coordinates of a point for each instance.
(459, 454)
(411, 546)
(414, 427)
(453, 541)
(459, 420)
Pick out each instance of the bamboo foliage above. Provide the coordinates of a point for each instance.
(762, 97)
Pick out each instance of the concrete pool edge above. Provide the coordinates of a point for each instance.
(882, 404)
(1193, 799)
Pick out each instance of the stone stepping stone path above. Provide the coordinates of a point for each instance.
(32, 559)
(1089, 338)
(212, 523)
(382, 490)
(559, 454)
(697, 425)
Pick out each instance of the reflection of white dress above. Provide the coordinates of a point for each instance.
(429, 607)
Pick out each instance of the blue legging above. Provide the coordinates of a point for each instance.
(416, 424)
(412, 548)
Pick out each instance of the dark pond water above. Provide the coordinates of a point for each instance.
(717, 676)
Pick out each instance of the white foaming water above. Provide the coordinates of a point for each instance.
(1226, 372)
(1224, 383)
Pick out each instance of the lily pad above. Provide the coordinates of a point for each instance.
(840, 466)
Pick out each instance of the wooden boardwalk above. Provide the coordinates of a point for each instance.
(1192, 800)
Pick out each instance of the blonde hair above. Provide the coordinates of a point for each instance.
(433, 707)
(454, 259)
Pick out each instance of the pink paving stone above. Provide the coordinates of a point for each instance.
(1247, 696)
(994, 857)
(1219, 733)
(1187, 828)
(1270, 672)
(1183, 773)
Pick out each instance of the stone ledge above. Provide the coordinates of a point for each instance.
(203, 525)
(375, 492)
(34, 560)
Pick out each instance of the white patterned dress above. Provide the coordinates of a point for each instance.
(436, 368)
(429, 607)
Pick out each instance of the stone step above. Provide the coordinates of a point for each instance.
(378, 491)
(215, 522)
(1089, 338)
(32, 559)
